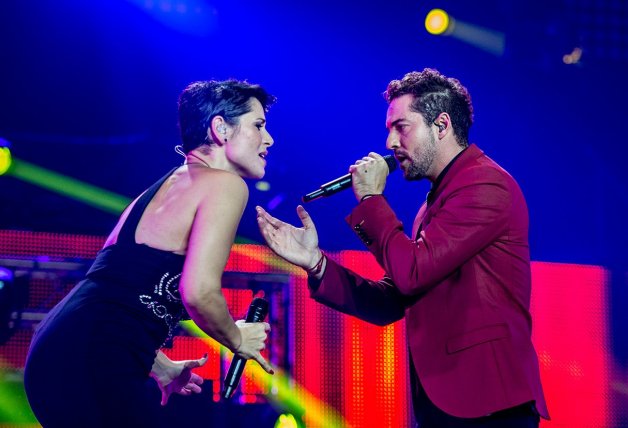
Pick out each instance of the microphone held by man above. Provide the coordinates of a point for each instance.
(342, 183)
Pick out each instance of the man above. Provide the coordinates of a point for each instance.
(462, 281)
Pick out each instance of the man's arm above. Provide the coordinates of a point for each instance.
(374, 301)
(377, 302)
(470, 219)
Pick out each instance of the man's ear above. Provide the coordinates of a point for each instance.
(443, 122)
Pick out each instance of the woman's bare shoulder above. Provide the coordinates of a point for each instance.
(214, 184)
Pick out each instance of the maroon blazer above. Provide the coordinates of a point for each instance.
(463, 286)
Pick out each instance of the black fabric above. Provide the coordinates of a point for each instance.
(90, 359)
(429, 198)
(427, 415)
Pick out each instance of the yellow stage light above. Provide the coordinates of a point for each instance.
(437, 21)
(5, 159)
(286, 421)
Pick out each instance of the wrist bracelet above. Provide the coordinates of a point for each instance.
(313, 271)
(367, 196)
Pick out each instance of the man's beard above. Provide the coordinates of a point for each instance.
(421, 160)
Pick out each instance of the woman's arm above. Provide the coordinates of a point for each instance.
(221, 204)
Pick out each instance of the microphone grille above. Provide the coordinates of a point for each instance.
(258, 310)
(391, 161)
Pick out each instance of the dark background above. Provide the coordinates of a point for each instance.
(89, 89)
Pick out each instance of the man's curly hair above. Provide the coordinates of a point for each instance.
(433, 94)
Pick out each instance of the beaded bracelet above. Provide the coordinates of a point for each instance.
(313, 271)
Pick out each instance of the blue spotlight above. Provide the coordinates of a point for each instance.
(186, 16)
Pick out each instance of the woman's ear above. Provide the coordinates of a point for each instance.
(217, 130)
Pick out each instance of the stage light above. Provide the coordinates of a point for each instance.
(287, 394)
(274, 202)
(6, 275)
(286, 421)
(5, 156)
(94, 196)
(67, 186)
(7, 303)
(262, 186)
(437, 21)
(196, 17)
(573, 57)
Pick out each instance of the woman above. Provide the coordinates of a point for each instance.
(91, 359)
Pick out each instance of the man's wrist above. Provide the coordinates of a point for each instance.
(316, 269)
(365, 197)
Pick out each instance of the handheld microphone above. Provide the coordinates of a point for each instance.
(257, 312)
(342, 183)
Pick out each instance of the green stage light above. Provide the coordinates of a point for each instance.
(86, 193)
(96, 197)
(262, 186)
(286, 393)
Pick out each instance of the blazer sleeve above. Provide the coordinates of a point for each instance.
(377, 302)
(471, 216)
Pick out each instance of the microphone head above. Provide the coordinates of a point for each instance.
(391, 162)
(257, 310)
(342, 183)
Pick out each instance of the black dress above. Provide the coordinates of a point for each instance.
(90, 359)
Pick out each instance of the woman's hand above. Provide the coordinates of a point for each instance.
(176, 376)
(253, 335)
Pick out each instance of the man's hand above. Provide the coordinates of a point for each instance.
(298, 246)
(368, 175)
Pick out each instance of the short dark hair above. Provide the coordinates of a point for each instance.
(201, 101)
(433, 94)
